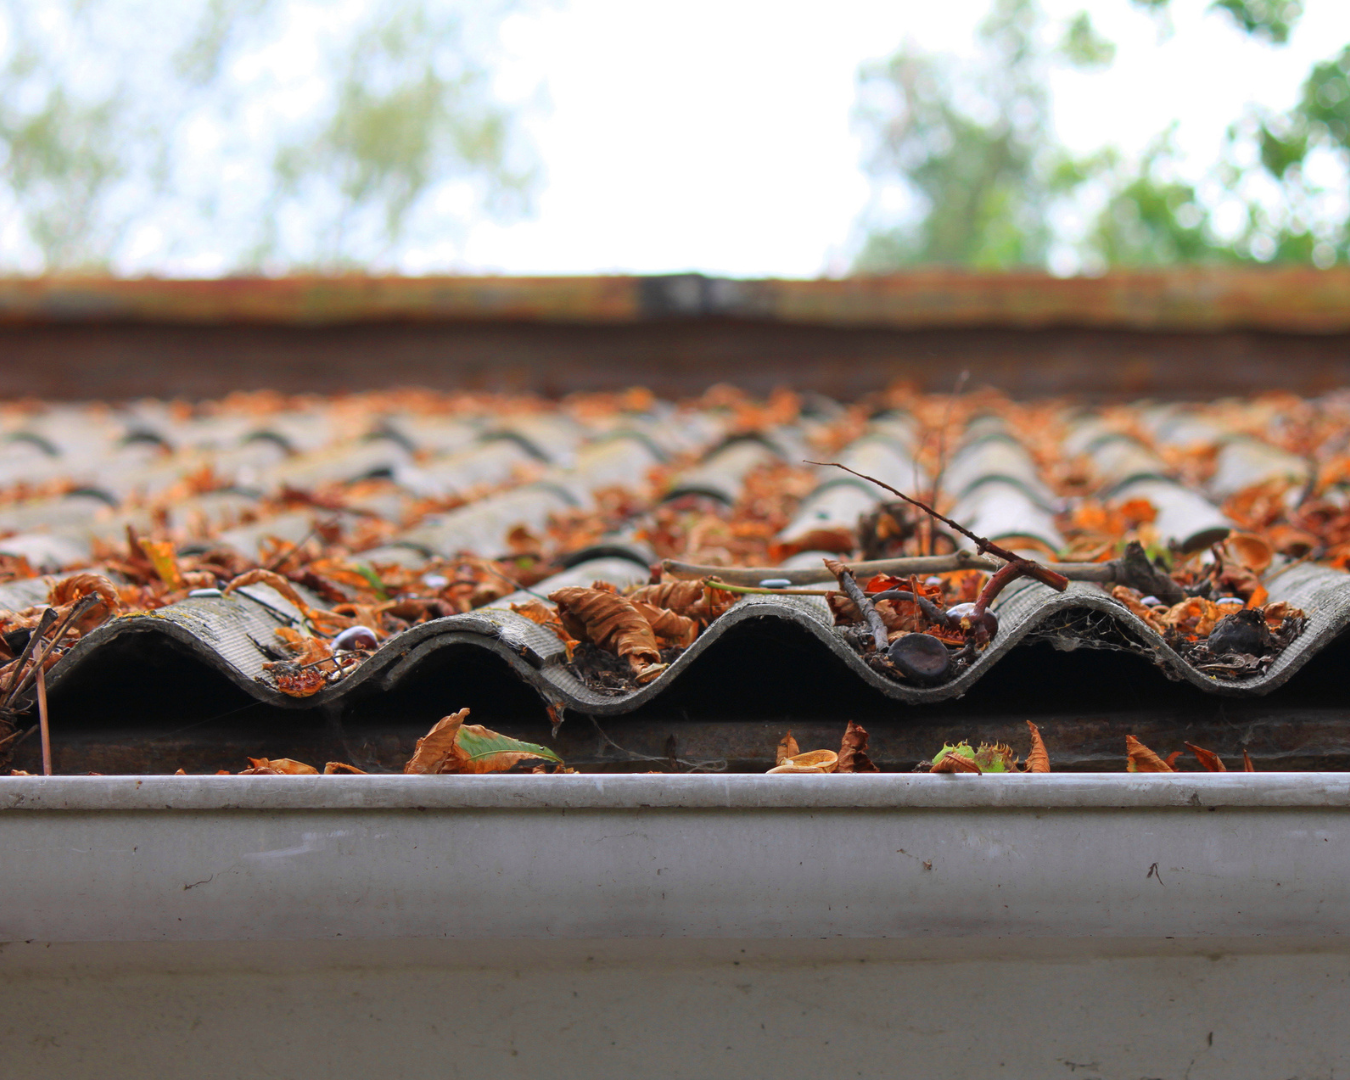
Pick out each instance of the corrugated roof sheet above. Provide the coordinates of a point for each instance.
(600, 488)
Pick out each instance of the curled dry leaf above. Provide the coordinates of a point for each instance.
(1276, 613)
(669, 628)
(1209, 761)
(1193, 618)
(1038, 758)
(853, 751)
(954, 763)
(452, 746)
(275, 581)
(813, 761)
(1252, 551)
(787, 748)
(609, 621)
(1247, 765)
(283, 766)
(1139, 758)
(334, 767)
(692, 599)
(69, 591)
(437, 745)
(306, 649)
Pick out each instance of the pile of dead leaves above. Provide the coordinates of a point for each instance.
(850, 758)
(999, 758)
(451, 747)
(619, 640)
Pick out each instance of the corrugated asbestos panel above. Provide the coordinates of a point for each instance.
(527, 466)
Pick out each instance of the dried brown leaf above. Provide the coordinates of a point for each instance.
(334, 767)
(787, 748)
(1141, 759)
(71, 590)
(1209, 760)
(283, 766)
(669, 628)
(452, 746)
(853, 751)
(955, 763)
(1038, 758)
(1247, 765)
(437, 746)
(275, 581)
(1252, 551)
(692, 599)
(609, 621)
(303, 683)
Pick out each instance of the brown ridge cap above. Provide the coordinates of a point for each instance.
(1290, 300)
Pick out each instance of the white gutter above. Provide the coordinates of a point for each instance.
(589, 856)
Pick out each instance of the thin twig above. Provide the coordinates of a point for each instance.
(42, 722)
(875, 622)
(983, 545)
(18, 734)
(44, 623)
(750, 591)
(1105, 572)
(81, 606)
(515, 584)
(931, 611)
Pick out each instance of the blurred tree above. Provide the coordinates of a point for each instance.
(410, 110)
(984, 176)
(259, 134)
(967, 146)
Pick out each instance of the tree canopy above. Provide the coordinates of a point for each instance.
(971, 146)
(191, 130)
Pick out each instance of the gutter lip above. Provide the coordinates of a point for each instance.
(592, 791)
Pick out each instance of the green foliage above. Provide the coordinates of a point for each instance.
(1154, 219)
(61, 159)
(989, 188)
(1269, 19)
(104, 126)
(1325, 106)
(410, 109)
(1084, 47)
(977, 179)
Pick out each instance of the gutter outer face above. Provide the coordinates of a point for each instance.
(220, 859)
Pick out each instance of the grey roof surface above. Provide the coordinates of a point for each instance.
(521, 463)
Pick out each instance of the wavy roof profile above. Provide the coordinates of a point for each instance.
(94, 470)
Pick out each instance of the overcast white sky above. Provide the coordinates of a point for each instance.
(717, 135)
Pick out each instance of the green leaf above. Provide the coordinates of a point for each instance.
(484, 750)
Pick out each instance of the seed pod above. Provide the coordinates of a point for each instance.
(920, 657)
(354, 638)
(1241, 632)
